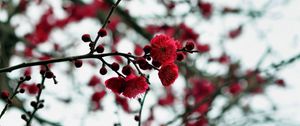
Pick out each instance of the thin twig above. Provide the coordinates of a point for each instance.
(39, 102)
(141, 109)
(9, 100)
(104, 25)
(97, 56)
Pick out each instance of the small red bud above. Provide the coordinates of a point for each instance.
(102, 32)
(33, 104)
(41, 106)
(22, 90)
(78, 63)
(143, 64)
(171, 5)
(100, 49)
(27, 77)
(156, 63)
(115, 66)
(180, 56)
(23, 116)
(147, 49)
(42, 71)
(203, 48)
(280, 82)
(4, 94)
(86, 38)
(190, 45)
(138, 50)
(103, 70)
(126, 70)
(137, 118)
(49, 74)
(141, 60)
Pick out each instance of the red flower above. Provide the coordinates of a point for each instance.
(115, 84)
(280, 82)
(257, 90)
(168, 30)
(224, 59)
(129, 87)
(114, 22)
(168, 74)
(42, 29)
(163, 49)
(201, 87)
(97, 96)
(94, 81)
(134, 86)
(168, 99)
(203, 108)
(45, 57)
(178, 44)
(202, 48)
(23, 5)
(123, 102)
(187, 33)
(28, 52)
(235, 88)
(235, 32)
(4, 94)
(27, 71)
(30, 88)
(138, 50)
(260, 79)
(206, 9)
(33, 89)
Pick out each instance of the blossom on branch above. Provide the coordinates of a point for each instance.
(129, 87)
(168, 74)
(163, 49)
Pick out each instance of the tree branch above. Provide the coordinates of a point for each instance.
(86, 56)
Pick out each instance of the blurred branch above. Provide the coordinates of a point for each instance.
(263, 57)
(8, 40)
(197, 105)
(39, 103)
(285, 62)
(236, 99)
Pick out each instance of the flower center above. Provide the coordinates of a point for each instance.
(163, 49)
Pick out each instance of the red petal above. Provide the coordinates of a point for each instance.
(168, 74)
(97, 96)
(94, 81)
(116, 84)
(134, 86)
(123, 102)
